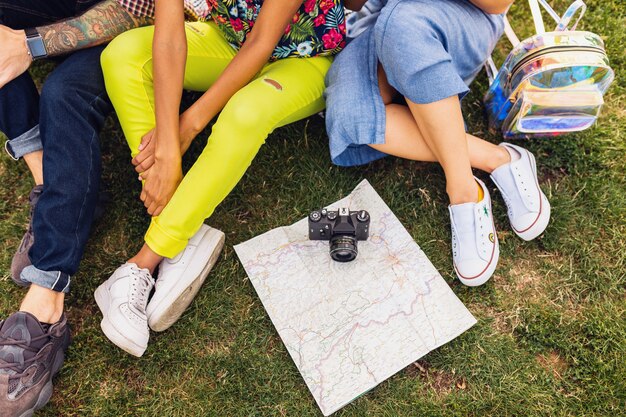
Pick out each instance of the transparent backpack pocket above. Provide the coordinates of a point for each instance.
(548, 112)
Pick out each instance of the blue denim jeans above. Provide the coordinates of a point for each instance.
(68, 115)
(19, 121)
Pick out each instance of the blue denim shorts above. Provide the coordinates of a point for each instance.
(429, 49)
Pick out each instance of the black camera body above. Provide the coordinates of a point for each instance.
(343, 228)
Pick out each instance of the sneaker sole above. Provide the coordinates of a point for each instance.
(103, 300)
(163, 315)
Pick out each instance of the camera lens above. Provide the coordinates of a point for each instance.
(343, 248)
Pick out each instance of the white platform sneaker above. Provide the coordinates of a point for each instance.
(123, 299)
(179, 279)
(528, 207)
(475, 250)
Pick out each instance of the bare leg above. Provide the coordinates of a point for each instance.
(442, 128)
(46, 305)
(146, 258)
(404, 139)
(34, 160)
(436, 132)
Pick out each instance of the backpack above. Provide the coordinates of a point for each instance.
(551, 83)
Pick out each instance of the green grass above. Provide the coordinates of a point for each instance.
(551, 332)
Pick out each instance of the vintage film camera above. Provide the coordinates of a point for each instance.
(343, 228)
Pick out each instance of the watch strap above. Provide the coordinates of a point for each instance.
(32, 33)
(35, 44)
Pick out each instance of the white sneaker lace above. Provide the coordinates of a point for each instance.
(140, 285)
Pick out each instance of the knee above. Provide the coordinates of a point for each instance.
(129, 50)
(61, 91)
(398, 28)
(245, 123)
(53, 91)
(73, 87)
(111, 54)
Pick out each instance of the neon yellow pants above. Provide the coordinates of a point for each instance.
(283, 92)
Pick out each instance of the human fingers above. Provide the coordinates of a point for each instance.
(158, 210)
(153, 207)
(146, 139)
(144, 165)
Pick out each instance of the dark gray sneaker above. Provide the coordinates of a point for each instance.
(31, 354)
(21, 259)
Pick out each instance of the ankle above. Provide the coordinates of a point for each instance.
(34, 161)
(142, 264)
(46, 305)
(467, 193)
(500, 157)
(146, 258)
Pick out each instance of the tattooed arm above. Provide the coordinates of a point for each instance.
(96, 26)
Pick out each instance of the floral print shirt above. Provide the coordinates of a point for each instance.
(317, 29)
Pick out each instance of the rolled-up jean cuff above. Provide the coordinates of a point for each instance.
(24, 144)
(54, 280)
(162, 242)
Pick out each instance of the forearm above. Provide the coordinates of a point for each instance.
(492, 6)
(169, 52)
(96, 26)
(253, 55)
(241, 70)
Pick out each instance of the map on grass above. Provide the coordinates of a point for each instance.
(349, 326)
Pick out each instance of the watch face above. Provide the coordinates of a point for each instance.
(37, 48)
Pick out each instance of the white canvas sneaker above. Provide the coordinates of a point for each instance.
(122, 299)
(475, 250)
(180, 278)
(528, 207)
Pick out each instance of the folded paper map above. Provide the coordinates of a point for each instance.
(349, 326)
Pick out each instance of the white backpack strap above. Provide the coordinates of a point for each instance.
(564, 22)
(491, 69)
(536, 11)
(489, 65)
(510, 33)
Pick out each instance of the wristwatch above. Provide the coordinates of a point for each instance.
(36, 47)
